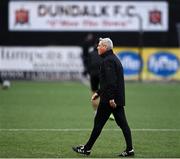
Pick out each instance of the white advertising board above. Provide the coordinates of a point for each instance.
(87, 16)
(41, 63)
(58, 59)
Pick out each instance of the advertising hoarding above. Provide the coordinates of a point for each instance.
(156, 64)
(41, 62)
(65, 63)
(87, 16)
(161, 64)
(131, 61)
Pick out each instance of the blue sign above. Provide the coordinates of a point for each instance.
(131, 61)
(163, 64)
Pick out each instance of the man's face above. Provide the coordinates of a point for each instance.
(101, 48)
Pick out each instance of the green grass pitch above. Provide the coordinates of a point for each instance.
(45, 119)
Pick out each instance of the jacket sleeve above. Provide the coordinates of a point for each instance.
(110, 78)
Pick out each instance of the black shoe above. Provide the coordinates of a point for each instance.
(80, 149)
(127, 153)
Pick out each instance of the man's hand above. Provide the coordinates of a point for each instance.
(112, 103)
(94, 96)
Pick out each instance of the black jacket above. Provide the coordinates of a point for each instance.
(111, 79)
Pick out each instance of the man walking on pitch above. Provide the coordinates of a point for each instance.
(112, 99)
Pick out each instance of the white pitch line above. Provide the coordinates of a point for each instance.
(82, 158)
(75, 130)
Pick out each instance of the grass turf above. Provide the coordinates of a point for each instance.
(66, 105)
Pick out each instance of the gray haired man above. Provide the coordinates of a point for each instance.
(112, 99)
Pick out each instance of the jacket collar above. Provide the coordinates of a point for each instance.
(107, 53)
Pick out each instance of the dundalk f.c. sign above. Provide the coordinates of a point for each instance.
(87, 16)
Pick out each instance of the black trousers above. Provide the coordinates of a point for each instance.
(103, 113)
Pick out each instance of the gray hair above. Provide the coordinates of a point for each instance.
(108, 42)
